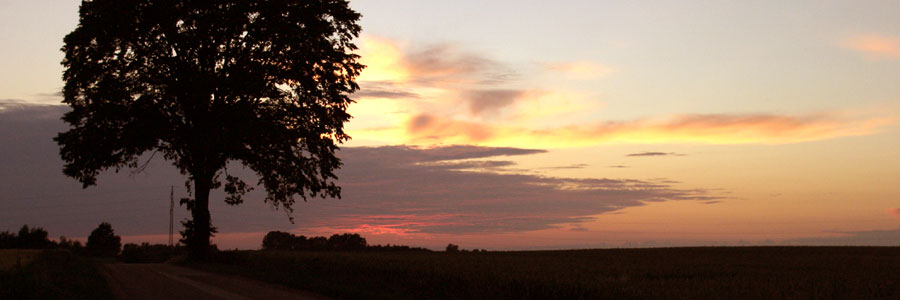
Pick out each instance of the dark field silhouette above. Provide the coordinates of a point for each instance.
(49, 274)
(346, 267)
(660, 273)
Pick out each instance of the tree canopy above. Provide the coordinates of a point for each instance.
(103, 242)
(205, 83)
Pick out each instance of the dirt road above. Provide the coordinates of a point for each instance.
(161, 281)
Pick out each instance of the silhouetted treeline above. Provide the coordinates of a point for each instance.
(452, 248)
(36, 238)
(277, 240)
(101, 243)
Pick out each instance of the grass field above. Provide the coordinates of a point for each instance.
(10, 258)
(51, 274)
(664, 273)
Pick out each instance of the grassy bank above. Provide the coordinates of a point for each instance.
(672, 273)
(49, 274)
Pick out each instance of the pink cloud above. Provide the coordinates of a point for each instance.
(698, 128)
(875, 46)
(894, 211)
(580, 69)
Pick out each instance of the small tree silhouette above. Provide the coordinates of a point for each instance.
(452, 248)
(347, 241)
(277, 240)
(33, 238)
(103, 242)
(7, 240)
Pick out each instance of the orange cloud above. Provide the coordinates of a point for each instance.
(580, 69)
(443, 65)
(875, 46)
(894, 211)
(384, 60)
(708, 129)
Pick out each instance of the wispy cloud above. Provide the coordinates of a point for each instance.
(579, 69)
(438, 65)
(396, 189)
(447, 79)
(707, 129)
(654, 154)
(875, 46)
(894, 211)
(447, 95)
(490, 101)
(449, 64)
(573, 166)
(447, 199)
(383, 89)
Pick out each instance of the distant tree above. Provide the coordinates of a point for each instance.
(8, 240)
(301, 243)
(103, 242)
(205, 83)
(72, 245)
(33, 238)
(317, 243)
(65, 243)
(277, 240)
(347, 241)
(452, 248)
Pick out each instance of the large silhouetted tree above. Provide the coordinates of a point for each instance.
(204, 83)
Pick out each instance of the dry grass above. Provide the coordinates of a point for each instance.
(51, 274)
(11, 258)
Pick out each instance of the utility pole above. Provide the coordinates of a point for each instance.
(171, 213)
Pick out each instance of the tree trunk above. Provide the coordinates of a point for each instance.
(200, 213)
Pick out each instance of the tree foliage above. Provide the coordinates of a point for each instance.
(103, 242)
(33, 238)
(277, 240)
(27, 238)
(205, 83)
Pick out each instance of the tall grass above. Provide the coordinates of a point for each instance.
(54, 274)
(672, 273)
(12, 258)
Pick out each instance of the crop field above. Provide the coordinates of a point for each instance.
(10, 258)
(50, 274)
(661, 273)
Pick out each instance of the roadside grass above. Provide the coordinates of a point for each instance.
(11, 258)
(661, 273)
(53, 274)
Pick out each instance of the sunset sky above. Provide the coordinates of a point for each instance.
(540, 125)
